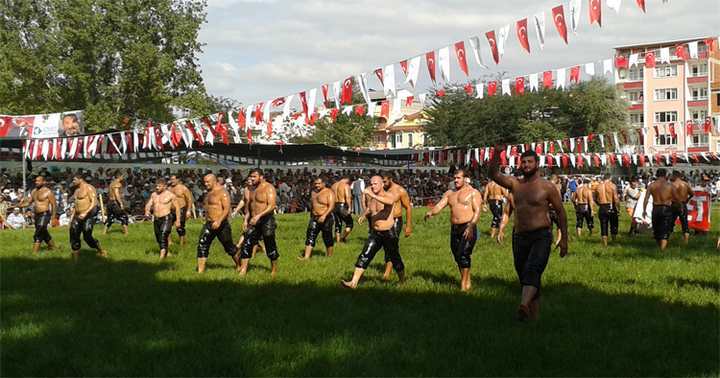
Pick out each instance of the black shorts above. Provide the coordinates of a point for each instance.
(162, 227)
(264, 229)
(583, 213)
(207, 235)
(183, 218)
(314, 228)
(42, 220)
(554, 218)
(531, 251)
(608, 216)
(83, 227)
(462, 248)
(342, 217)
(115, 213)
(662, 222)
(680, 211)
(496, 208)
(387, 240)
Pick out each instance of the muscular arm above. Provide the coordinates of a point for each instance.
(53, 203)
(189, 200)
(148, 205)
(501, 179)
(386, 198)
(348, 195)
(476, 207)
(646, 199)
(691, 193)
(225, 201)
(272, 203)
(93, 202)
(27, 201)
(405, 201)
(330, 207)
(176, 205)
(438, 206)
(556, 202)
(118, 197)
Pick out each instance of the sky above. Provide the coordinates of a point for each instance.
(258, 50)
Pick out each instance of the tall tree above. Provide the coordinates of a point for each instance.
(113, 58)
(589, 107)
(345, 131)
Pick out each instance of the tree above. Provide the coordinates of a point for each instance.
(589, 107)
(112, 58)
(345, 131)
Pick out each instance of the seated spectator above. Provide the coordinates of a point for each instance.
(16, 220)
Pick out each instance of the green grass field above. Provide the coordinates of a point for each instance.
(625, 310)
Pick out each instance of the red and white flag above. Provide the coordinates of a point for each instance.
(492, 88)
(520, 85)
(430, 58)
(547, 79)
(347, 89)
(461, 57)
(379, 74)
(325, 89)
(641, 4)
(650, 59)
(413, 70)
(559, 19)
(492, 41)
(522, 34)
(575, 74)
(404, 66)
(596, 12)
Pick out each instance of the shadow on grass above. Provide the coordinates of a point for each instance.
(116, 318)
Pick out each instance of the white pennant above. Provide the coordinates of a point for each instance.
(249, 119)
(286, 106)
(336, 93)
(602, 141)
(311, 101)
(186, 135)
(614, 5)
(422, 97)
(585, 143)
(166, 137)
(347, 110)
(506, 87)
(502, 38)
(607, 66)
(396, 111)
(112, 141)
(693, 49)
(572, 144)
(539, 22)
(413, 70)
(73, 148)
(85, 146)
(388, 81)
(45, 149)
(590, 69)
(560, 82)
(633, 60)
(477, 51)
(575, 7)
(587, 158)
(557, 159)
(665, 55)
(603, 159)
(444, 63)
(533, 82)
(617, 143)
(372, 106)
(479, 90)
(362, 84)
(572, 160)
(63, 149)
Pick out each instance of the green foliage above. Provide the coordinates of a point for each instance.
(588, 107)
(113, 58)
(624, 310)
(345, 131)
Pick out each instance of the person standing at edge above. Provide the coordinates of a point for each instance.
(343, 202)
(532, 235)
(83, 217)
(465, 206)
(322, 201)
(185, 202)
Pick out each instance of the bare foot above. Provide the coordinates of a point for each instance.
(303, 258)
(102, 253)
(348, 284)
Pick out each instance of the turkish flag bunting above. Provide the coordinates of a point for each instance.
(440, 92)
(681, 52)
(194, 133)
(547, 79)
(621, 61)
(269, 129)
(325, 89)
(650, 59)
(334, 113)
(241, 119)
(430, 58)
(492, 88)
(409, 100)
(611, 158)
(461, 56)
(493, 45)
(559, 20)
(347, 90)
(596, 12)
(641, 4)
(385, 109)
(468, 89)
(688, 127)
(707, 125)
(404, 66)
(280, 101)
(520, 85)
(522, 33)
(259, 113)
(672, 130)
(176, 136)
(379, 74)
(711, 44)
(575, 74)
(303, 103)
(221, 129)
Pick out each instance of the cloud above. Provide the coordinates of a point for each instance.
(261, 49)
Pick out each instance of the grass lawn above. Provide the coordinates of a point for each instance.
(625, 310)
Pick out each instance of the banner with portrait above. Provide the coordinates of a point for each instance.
(52, 125)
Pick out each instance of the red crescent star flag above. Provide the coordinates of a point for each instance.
(325, 89)
(430, 58)
(468, 89)
(711, 44)
(547, 79)
(379, 74)
(621, 61)
(596, 12)
(404, 66)
(641, 4)
(492, 88)
(707, 125)
(347, 89)
(303, 103)
(688, 127)
(650, 59)
(522, 34)
(681, 52)
(259, 113)
(520, 85)
(493, 45)
(461, 57)
(575, 74)
(559, 20)
(280, 101)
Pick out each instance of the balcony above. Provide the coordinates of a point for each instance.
(699, 103)
(635, 106)
(632, 84)
(697, 79)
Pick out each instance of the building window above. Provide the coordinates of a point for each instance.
(410, 140)
(635, 96)
(398, 137)
(698, 116)
(699, 139)
(636, 73)
(637, 118)
(666, 117)
(698, 94)
(700, 69)
(666, 94)
(666, 71)
(665, 140)
(717, 99)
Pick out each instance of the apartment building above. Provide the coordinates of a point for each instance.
(663, 98)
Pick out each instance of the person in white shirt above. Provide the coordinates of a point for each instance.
(16, 220)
